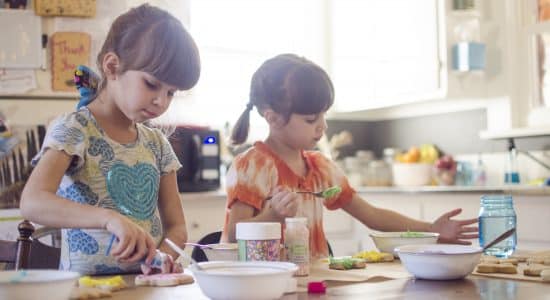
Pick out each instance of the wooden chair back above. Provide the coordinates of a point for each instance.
(28, 252)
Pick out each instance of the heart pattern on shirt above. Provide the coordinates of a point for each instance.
(134, 189)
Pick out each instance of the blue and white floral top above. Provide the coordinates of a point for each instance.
(105, 173)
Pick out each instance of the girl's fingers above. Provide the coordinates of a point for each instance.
(470, 229)
(468, 221)
(140, 251)
(119, 247)
(467, 236)
(151, 248)
(128, 251)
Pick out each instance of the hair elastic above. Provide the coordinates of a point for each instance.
(86, 83)
(249, 106)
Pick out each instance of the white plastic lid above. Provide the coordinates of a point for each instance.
(296, 220)
(258, 231)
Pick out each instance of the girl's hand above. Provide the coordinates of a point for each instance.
(454, 231)
(168, 265)
(283, 202)
(133, 243)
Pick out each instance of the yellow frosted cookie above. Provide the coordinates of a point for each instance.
(112, 284)
(85, 293)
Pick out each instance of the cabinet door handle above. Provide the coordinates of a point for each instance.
(194, 225)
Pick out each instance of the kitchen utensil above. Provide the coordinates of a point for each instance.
(500, 238)
(388, 241)
(182, 253)
(439, 261)
(198, 245)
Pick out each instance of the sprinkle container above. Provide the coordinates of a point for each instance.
(259, 241)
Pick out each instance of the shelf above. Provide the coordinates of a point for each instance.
(515, 133)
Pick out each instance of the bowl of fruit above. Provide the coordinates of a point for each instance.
(414, 167)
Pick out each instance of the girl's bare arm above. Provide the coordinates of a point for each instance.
(171, 213)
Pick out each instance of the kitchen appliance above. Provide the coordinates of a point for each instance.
(198, 150)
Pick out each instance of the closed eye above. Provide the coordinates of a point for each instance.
(150, 85)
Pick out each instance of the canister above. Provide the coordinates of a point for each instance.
(259, 241)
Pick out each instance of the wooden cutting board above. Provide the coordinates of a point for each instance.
(374, 272)
(520, 268)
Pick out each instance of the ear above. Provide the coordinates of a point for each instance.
(273, 118)
(110, 65)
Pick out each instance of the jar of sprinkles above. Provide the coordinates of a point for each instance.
(259, 241)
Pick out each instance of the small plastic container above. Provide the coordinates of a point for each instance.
(259, 241)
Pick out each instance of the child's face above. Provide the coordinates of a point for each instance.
(140, 96)
(304, 131)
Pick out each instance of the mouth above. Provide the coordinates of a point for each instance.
(150, 114)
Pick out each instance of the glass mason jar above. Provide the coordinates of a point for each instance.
(497, 215)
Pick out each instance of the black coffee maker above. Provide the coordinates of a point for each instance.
(198, 150)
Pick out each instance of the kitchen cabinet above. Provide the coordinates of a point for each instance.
(204, 213)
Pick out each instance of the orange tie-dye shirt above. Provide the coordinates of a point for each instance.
(255, 173)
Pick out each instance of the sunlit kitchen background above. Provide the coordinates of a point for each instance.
(458, 85)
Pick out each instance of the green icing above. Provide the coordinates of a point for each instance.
(411, 234)
(331, 192)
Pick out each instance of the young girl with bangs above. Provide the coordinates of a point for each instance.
(102, 175)
(293, 94)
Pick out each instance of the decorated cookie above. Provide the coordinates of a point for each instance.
(112, 284)
(169, 279)
(85, 293)
(504, 268)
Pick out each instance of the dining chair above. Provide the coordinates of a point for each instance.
(212, 238)
(28, 252)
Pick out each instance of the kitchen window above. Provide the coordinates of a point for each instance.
(378, 52)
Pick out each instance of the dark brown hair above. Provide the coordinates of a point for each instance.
(151, 40)
(287, 84)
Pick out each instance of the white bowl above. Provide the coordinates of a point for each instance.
(439, 261)
(411, 174)
(388, 241)
(244, 279)
(222, 251)
(37, 284)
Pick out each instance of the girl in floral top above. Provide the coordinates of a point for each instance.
(293, 94)
(102, 175)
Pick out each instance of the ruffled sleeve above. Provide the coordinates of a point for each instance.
(167, 159)
(67, 133)
(250, 179)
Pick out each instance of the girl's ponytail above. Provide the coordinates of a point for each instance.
(86, 83)
(240, 131)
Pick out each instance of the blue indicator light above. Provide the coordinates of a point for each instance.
(209, 140)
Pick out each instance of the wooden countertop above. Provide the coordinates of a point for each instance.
(472, 287)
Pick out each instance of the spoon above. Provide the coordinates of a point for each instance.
(182, 253)
(501, 237)
(199, 245)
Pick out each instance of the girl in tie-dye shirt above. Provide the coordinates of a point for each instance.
(102, 175)
(293, 94)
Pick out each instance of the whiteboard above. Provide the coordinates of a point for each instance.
(20, 39)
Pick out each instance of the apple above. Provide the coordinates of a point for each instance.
(446, 162)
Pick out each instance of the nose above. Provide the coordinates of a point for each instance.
(161, 100)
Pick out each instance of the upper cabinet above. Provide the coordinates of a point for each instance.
(385, 53)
